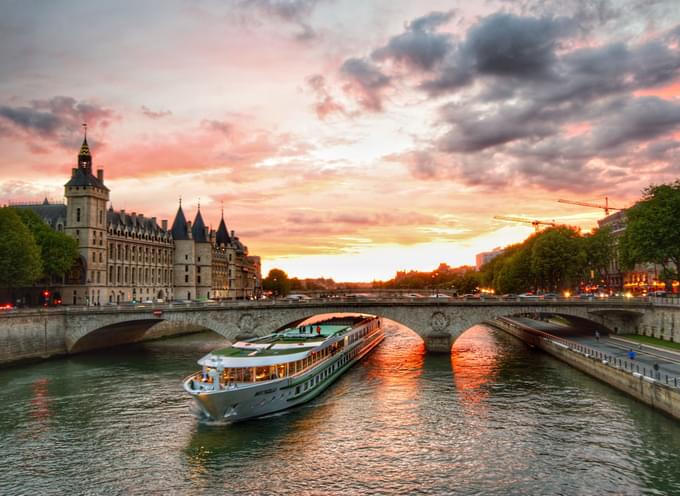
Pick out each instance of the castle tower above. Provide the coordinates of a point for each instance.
(203, 250)
(86, 198)
(184, 268)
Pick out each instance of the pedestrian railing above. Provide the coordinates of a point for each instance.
(645, 372)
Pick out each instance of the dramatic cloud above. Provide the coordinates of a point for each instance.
(56, 120)
(365, 82)
(520, 88)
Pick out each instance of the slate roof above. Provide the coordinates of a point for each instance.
(83, 177)
(49, 212)
(135, 224)
(179, 226)
(222, 236)
(198, 229)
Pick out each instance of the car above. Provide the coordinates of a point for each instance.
(660, 294)
(6, 306)
(509, 296)
(585, 296)
(550, 296)
(413, 295)
(440, 295)
(529, 296)
(470, 296)
(297, 297)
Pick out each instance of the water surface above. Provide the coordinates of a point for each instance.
(494, 417)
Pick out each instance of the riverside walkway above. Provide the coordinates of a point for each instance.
(650, 363)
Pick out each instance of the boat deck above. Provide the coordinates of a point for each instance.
(288, 341)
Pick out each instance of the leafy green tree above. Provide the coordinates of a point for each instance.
(58, 251)
(652, 231)
(277, 282)
(598, 249)
(20, 263)
(557, 258)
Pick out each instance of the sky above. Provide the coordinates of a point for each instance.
(345, 139)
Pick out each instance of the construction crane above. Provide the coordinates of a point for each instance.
(605, 207)
(536, 223)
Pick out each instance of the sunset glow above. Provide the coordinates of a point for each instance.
(345, 139)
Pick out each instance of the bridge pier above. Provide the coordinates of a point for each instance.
(439, 342)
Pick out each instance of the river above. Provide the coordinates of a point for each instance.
(494, 417)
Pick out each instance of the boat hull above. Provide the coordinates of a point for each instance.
(242, 402)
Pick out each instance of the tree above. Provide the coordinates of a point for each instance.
(58, 251)
(652, 232)
(598, 248)
(20, 263)
(557, 258)
(277, 282)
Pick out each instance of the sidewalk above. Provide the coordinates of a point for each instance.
(668, 361)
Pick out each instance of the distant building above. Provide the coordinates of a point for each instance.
(643, 278)
(129, 257)
(487, 256)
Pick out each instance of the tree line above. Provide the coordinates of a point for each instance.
(31, 251)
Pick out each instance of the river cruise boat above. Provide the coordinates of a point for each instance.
(267, 374)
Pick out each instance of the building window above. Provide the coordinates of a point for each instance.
(199, 259)
(186, 257)
(77, 215)
(186, 268)
(186, 278)
(199, 279)
(198, 269)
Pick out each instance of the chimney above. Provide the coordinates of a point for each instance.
(164, 222)
(232, 233)
(100, 174)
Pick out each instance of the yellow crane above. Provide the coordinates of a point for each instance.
(536, 223)
(605, 207)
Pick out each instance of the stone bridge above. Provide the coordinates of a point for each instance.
(437, 322)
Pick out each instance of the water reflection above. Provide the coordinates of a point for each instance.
(474, 361)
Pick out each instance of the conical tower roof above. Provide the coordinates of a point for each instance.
(198, 228)
(222, 236)
(179, 226)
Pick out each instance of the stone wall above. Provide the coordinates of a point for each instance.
(645, 389)
(30, 336)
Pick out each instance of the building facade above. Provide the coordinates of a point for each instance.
(128, 257)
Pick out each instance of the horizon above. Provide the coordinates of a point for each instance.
(345, 140)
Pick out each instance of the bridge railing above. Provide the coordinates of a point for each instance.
(647, 373)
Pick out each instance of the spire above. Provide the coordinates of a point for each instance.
(222, 236)
(84, 156)
(198, 229)
(179, 226)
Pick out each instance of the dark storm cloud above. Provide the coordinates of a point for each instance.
(31, 119)
(535, 99)
(640, 119)
(507, 45)
(56, 118)
(365, 82)
(419, 46)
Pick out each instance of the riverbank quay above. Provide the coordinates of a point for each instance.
(648, 377)
(30, 335)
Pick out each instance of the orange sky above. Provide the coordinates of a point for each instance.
(345, 139)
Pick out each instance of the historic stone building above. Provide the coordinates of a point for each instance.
(129, 257)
